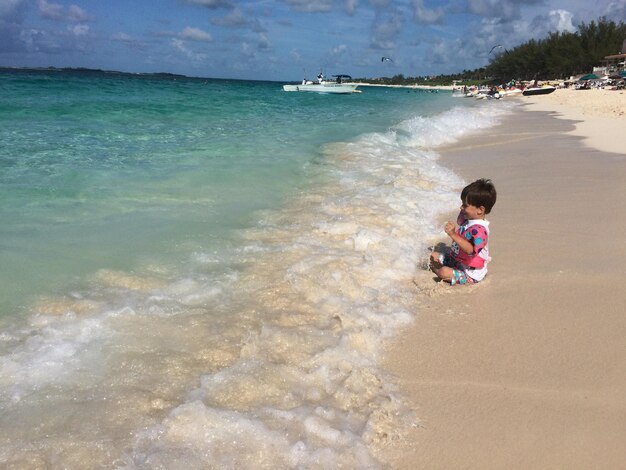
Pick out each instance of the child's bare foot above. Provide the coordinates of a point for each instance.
(434, 263)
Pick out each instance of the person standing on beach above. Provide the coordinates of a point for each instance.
(466, 262)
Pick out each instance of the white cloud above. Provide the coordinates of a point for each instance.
(129, 41)
(426, 15)
(233, 19)
(387, 26)
(561, 20)
(211, 4)
(256, 26)
(181, 47)
(350, 6)
(493, 31)
(505, 10)
(122, 37)
(308, 6)
(76, 13)
(32, 37)
(57, 12)
(339, 50)
(196, 34)
(79, 30)
(247, 50)
(40, 41)
(10, 10)
(295, 56)
(616, 10)
(236, 19)
(53, 11)
(263, 43)
(440, 53)
(12, 15)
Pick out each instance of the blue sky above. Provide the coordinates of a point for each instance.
(280, 39)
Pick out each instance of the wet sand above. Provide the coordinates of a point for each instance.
(528, 368)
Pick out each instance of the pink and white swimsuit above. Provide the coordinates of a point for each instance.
(474, 265)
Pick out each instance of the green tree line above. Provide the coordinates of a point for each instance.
(558, 56)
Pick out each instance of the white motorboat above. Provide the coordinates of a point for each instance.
(325, 86)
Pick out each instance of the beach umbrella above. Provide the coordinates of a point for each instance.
(589, 76)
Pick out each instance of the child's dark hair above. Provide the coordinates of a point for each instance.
(481, 192)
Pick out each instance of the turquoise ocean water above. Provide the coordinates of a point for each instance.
(199, 273)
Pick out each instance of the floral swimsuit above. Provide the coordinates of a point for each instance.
(469, 268)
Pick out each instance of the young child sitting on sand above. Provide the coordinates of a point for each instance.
(466, 262)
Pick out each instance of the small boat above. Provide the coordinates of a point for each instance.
(511, 92)
(325, 86)
(492, 93)
(543, 90)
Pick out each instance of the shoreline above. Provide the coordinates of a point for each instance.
(526, 369)
(411, 87)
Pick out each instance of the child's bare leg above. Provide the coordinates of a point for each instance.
(444, 273)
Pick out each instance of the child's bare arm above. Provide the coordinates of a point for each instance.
(464, 244)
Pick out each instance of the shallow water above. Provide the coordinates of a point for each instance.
(200, 273)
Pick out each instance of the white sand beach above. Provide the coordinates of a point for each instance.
(527, 369)
(600, 114)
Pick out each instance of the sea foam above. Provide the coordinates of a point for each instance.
(334, 281)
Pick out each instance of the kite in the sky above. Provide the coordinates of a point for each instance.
(494, 47)
(383, 59)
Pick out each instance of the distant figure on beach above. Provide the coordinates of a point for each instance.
(468, 256)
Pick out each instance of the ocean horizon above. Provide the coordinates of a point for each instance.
(201, 272)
